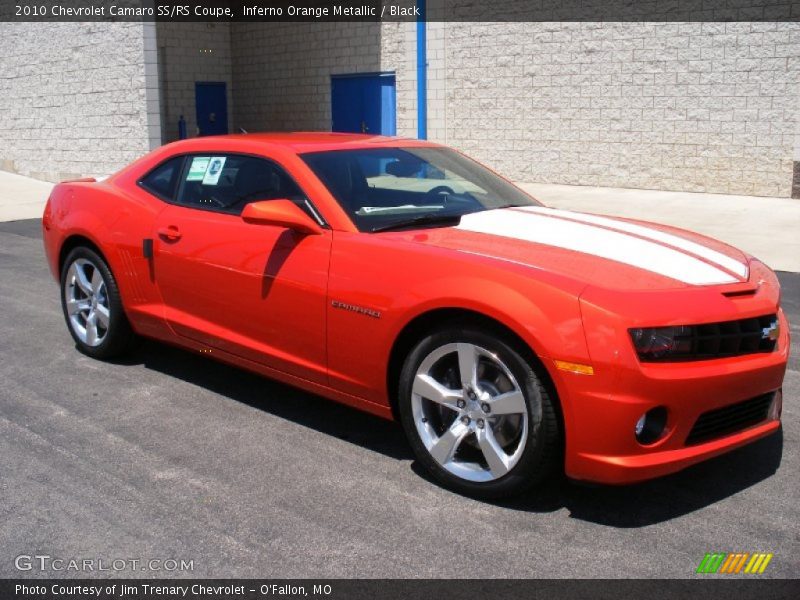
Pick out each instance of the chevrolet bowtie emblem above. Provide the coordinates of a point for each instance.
(772, 332)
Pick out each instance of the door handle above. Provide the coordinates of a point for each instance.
(170, 233)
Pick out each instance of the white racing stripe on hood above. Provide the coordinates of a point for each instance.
(731, 264)
(589, 239)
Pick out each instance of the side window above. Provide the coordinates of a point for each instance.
(226, 183)
(163, 180)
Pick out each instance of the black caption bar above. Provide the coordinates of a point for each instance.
(341, 589)
(399, 10)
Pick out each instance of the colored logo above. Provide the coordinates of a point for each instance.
(734, 562)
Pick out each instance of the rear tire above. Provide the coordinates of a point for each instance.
(92, 306)
(476, 414)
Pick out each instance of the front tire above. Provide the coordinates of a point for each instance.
(476, 414)
(92, 305)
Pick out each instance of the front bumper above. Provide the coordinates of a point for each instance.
(668, 456)
(601, 410)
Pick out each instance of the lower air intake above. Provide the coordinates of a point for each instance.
(730, 419)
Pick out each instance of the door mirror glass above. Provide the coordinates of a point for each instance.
(280, 213)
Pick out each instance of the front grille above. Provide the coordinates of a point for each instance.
(709, 340)
(730, 419)
(733, 338)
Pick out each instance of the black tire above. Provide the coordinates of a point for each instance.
(542, 454)
(119, 337)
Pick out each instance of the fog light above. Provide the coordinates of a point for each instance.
(651, 426)
(776, 407)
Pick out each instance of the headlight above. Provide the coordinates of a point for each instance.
(658, 343)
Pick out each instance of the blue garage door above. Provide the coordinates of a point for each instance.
(363, 103)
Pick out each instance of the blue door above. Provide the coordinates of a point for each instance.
(363, 104)
(211, 102)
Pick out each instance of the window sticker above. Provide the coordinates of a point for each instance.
(214, 170)
(197, 170)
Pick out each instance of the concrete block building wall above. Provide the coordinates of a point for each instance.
(282, 72)
(188, 53)
(437, 80)
(706, 107)
(73, 98)
(674, 106)
(398, 54)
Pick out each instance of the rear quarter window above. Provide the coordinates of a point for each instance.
(163, 180)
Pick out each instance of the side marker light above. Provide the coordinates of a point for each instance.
(572, 367)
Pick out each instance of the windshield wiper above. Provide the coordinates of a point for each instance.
(431, 219)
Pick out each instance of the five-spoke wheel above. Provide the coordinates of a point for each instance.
(476, 413)
(469, 411)
(87, 302)
(92, 306)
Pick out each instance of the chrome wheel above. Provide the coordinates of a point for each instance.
(470, 412)
(86, 302)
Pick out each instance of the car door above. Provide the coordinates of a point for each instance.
(253, 290)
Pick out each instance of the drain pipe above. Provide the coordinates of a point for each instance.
(422, 73)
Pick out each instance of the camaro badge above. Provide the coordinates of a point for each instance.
(375, 314)
(772, 332)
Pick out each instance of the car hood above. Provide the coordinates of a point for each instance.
(599, 250)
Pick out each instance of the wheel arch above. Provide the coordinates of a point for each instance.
(77, 240)
(437, 318)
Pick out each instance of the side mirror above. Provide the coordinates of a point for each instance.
(281, 213)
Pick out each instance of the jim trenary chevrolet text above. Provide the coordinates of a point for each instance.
(511, 340)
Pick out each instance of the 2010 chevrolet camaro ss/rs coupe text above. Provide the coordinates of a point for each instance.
(402, 278)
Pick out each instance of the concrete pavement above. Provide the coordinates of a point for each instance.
(22, 197)
(765, 227)
(167, 454)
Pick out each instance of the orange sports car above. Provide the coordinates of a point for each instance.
(405, 279)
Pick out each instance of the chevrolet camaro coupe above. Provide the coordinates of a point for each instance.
(403, 278)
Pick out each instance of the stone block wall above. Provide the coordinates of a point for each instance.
(704, 107)
(282, 72)
(74, 98)
(188, 53)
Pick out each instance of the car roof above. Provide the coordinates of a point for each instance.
(301, 141)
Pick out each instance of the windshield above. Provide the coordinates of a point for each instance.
(385, 188)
